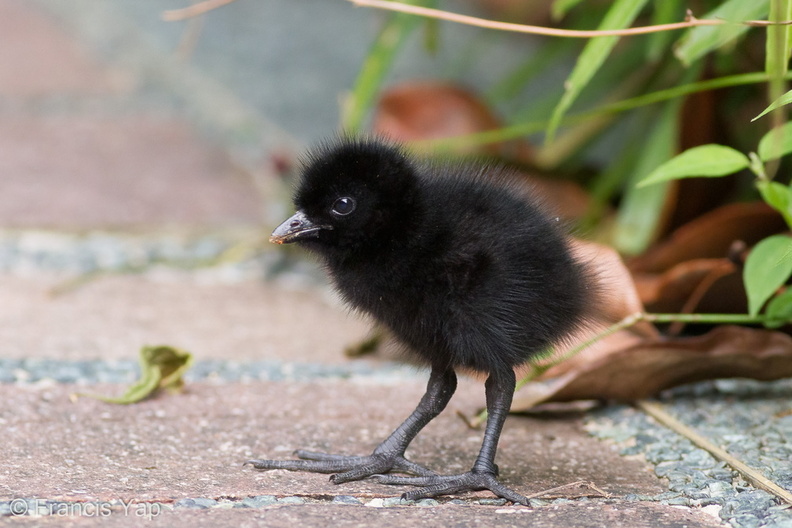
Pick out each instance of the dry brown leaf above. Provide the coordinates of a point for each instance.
(697, 268)
(644, 369)
(418, 110)
(710, 236)
(699, 285)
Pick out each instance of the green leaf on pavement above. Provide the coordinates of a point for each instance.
(161, 367)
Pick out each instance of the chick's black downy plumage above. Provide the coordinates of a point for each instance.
(463, 268)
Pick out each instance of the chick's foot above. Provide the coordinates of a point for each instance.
(436, 485)
(345, 468)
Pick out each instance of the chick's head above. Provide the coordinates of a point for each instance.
(353, 196)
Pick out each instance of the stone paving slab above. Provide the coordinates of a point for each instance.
(113, 316)
(194, 444)
(79, 172)
(39, 59)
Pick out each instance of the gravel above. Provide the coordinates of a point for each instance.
(87, 372)
(226, 257)
(41, 250)
(749, 419)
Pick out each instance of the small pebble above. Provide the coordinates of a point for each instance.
(780, 523)
(492, 502)
(345, 499)
(744, 520)
(198, 504)
(259, 501)
(291, 500)
(396, 501)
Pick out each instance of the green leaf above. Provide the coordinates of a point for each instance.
(777, 196)
(620, 15)
(707, 160)
(777, 143)
(781, 101)
(767, 268)
(780, 308)
(699, 41)
(640, 209)
(161, 367)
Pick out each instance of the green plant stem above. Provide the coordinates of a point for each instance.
(533, 127)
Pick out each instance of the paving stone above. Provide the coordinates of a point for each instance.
(74, 172)
(112, 317)
(193, 444)
(38, 58)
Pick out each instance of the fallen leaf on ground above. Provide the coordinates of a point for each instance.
(646, 368)
(161, 367)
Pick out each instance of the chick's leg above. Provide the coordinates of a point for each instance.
(483, 475)
(389, 455)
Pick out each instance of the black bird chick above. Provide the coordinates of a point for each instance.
(459, 264)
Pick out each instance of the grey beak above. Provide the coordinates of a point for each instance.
(296, 228)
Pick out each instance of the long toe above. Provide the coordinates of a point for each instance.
(314, 466)
(316, 455)
(438, 485)
(344, 468)
(377, 464)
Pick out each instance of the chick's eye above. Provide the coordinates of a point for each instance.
(344, 206)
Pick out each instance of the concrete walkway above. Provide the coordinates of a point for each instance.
(106, 167)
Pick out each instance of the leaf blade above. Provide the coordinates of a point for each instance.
(781, 101)
(780, 308)
(161, 367)
(767, 268)
(699, 41)
(620, 15)
(777, 196)
(640, 208)
(777, 143)
(703, 161)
